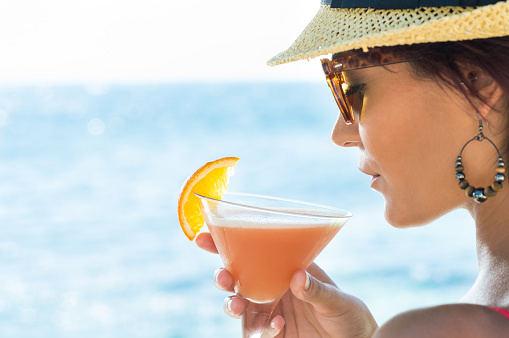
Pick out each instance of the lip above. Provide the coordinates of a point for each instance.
(373, 179)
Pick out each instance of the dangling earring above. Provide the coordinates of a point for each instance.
(480, 194)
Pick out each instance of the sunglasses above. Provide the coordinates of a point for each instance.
(344, 94)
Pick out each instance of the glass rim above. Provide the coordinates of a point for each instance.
(342, 214)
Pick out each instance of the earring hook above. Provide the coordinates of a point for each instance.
(480, 125)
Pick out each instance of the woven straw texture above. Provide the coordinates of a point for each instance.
(338, 30)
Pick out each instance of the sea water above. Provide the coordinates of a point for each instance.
(90, 244)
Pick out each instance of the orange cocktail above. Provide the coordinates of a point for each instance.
(262, 260)
(262, 241)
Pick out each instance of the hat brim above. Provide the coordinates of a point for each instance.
(335, 30)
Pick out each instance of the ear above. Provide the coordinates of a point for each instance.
(490, 91)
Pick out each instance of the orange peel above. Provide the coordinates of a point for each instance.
(211, 180)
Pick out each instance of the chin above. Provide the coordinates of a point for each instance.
(401, 223)
(419, 208)
(407, 217)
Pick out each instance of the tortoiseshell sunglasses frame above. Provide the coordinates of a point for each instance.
(334, 69)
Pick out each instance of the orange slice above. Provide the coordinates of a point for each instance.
(211, 180)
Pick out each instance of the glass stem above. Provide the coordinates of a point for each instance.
(256, 318)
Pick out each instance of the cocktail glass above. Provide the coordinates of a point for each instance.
(262, 241)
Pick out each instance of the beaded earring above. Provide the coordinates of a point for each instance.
(480, 194)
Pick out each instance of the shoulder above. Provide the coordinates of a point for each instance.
(453, 320)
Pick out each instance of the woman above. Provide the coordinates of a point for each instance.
(423, 91)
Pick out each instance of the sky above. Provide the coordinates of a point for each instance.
(154, 41)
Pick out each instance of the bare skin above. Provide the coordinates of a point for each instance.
(409, 133)
(320, 309)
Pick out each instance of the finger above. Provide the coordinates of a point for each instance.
(234, 306)
(204, 241)
(323, 297)
(319, 274)
(223, 280)
(276, 325)
(300, 283)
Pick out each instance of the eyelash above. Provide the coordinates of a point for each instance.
(356, 89)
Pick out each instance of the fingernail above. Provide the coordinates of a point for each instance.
(229, 304)
(273, 324)
(216, 276)
(308, 282)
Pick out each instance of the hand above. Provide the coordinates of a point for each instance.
(313, 307)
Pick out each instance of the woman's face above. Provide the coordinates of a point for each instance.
(409, 133)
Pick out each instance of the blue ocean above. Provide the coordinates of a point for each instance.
(90, 244)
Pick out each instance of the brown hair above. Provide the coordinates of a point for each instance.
(442, 61)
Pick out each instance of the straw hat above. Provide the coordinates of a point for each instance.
(339, 26)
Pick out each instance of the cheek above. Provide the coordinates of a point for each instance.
(407, 126)
(414, 151)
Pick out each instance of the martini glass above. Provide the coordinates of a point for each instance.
(262, 241)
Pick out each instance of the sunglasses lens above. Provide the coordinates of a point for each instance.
(334, 81)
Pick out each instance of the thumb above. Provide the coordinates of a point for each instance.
(325, 298)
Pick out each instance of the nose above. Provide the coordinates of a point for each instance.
(346, 135)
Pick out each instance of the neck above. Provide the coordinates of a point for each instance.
(492, 241)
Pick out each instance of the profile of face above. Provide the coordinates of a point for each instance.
(409, 131)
